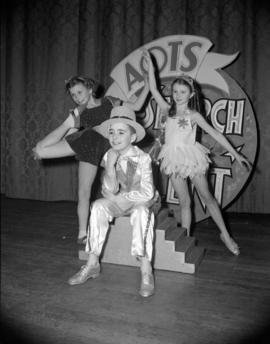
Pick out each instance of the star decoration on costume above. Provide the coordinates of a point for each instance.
(182, 122)
(228, 154)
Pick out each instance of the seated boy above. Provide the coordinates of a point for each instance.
(127, 187)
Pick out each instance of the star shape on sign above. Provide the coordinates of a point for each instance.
(182, 123)
(228, 154)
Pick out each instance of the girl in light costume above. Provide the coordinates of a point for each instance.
(182, 156)
(127, 187)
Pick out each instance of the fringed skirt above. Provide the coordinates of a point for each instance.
(184, 160)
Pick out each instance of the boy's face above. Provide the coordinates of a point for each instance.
(121, 137)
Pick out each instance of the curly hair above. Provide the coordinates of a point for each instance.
(87, 82)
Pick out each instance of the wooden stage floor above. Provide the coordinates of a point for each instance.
(226, 301)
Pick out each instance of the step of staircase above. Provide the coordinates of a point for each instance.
(195, 255)
(173, 250)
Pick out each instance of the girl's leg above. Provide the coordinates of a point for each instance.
(57, 150)
(87, 174)
(54, 144)
(181, 188)
(201, 184)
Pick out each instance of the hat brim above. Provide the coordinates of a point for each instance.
(103, 128)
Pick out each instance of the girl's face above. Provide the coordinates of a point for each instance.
(80, 94)
(121, 137)
(181, 94)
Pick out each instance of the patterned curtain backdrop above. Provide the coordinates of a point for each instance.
(45, 42)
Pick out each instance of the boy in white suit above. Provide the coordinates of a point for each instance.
(127, 188)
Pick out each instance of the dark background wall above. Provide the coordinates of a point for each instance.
(45, 42)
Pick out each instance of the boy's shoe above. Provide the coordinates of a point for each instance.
(84, 274)
(231, 245)
(147, 285)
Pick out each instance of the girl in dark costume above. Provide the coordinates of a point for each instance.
(87, 144)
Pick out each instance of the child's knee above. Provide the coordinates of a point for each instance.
(185, 202)
(139, 212)
(97, 205)
(142, 209)
(208, 199)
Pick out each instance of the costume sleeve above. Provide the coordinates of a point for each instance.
(108, 187)
(146, 188)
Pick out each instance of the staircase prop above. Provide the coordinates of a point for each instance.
(173, 249)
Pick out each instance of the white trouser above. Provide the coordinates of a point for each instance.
(141, 219)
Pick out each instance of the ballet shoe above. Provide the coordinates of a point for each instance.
(147, 285)
(86, 272)
(231, 245)
(35, 154)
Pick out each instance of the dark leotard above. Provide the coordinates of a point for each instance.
(88, 145)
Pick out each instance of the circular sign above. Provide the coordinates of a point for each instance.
(227, 109)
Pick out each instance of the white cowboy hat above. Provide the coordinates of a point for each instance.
(125, 115)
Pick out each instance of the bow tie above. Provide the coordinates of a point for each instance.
(131, 158)
(124, 161)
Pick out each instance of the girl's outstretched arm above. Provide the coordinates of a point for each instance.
(221, 139)
(152, 82)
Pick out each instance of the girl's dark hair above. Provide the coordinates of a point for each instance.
(194, 101)
(87, 82)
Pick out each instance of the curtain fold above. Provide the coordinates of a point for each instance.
(43, 43)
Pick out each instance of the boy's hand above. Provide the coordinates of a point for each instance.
(108, 194)
(112, 157)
